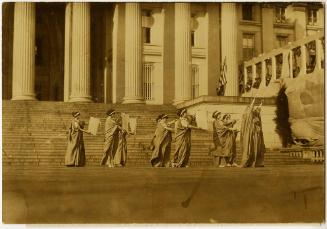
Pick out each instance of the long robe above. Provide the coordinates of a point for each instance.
(224, 140)
(75, 153)
(183, 143)
(111, 140)
(233, 136)
(252, 142)
(120, 157)
(162, 146)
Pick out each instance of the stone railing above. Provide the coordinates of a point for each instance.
(313, 154)
(295, 59)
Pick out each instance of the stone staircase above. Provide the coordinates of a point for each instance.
(35, 133)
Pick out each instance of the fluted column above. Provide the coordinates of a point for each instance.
(68, 51)
(24, 51)
(133, 54)
(183, 54)
(229, 46)
(81, 51)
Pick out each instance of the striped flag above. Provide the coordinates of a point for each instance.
(222, 81)
(223, 73)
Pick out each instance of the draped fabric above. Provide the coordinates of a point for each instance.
(162, 146)
(183, 143)
(224, 139)
(111, 142)
(75, 153)
(251, 139)
(120, 156)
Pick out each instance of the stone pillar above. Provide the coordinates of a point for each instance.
(24, 52)
(245, 72)
(291, 64)
(229, 46)
(81, 51)
(68, 52)
(268, 27)
(133, 54)
(303, 68)
(273, 68)
(299, 10)
(319, 54)
(263, 73)
(183, 54)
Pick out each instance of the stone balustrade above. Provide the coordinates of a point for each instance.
(293, 60)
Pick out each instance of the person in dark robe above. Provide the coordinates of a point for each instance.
(162, 143)
(252, 141)
(120, 157)
(75, 153)
(111, 138)
(183, 140)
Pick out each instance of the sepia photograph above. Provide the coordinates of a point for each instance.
(163, 113)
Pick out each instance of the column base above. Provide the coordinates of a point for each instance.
(86, 99)
(24, 97)
(139, 100)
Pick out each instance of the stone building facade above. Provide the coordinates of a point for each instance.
(154, 53)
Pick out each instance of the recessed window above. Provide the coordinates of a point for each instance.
(146, 35)
(280, 14)
(192, 39)
(248, 46)
(247, 11)
(282, 40)
(312, 16)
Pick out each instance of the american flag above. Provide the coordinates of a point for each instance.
(223, 73)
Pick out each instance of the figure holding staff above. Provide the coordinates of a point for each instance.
(252, 141)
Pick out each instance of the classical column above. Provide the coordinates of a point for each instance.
(183, 58)
(229, 46)
(81, 51)
(68, 51)
(133, 54)
(24, 51)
